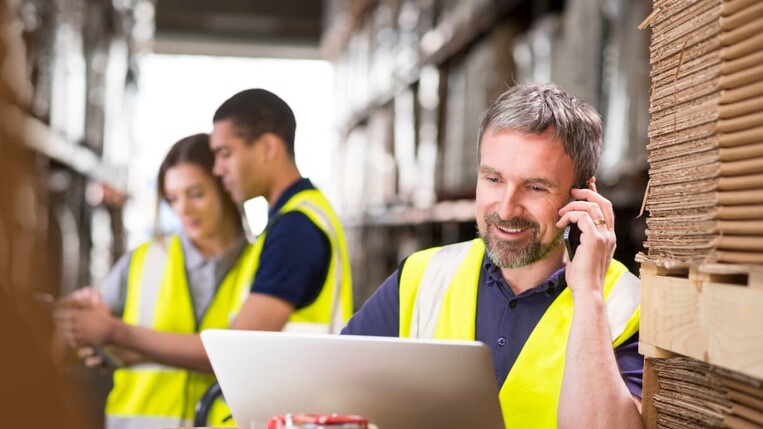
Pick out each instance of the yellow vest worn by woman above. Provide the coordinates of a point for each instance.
(438, 299)
(153, 395)
(333, 307)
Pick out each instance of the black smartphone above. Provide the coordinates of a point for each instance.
(571, 239)
(572, 233)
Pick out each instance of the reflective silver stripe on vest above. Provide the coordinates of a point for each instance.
(437, 277)
(336, 323)
(155, 367)
(143, 422)
(154, 266)
(623, 299)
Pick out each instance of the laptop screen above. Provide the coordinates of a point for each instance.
(395, 383)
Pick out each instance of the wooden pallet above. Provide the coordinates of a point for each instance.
(712, 312)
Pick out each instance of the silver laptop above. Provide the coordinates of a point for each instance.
(395, 383)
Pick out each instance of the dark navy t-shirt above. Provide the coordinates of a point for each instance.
(504, 320)
(295, 256)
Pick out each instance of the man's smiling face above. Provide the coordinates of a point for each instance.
(524, 179)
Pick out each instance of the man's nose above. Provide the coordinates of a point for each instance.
(509, 204)
(218, 168)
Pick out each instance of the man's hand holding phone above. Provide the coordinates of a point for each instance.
(593, 216)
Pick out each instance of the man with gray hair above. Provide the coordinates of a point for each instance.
(562, 326)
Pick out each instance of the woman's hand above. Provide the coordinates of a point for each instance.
(84, 319)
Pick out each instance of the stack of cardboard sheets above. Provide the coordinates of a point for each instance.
(693, 394)
(705, 196)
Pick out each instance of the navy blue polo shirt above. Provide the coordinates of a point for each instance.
(504, 320)
(295, 255)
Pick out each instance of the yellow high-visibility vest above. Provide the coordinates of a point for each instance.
(154, 395)
(333, 307)
(438, 299)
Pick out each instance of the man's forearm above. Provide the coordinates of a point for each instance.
(593, 392)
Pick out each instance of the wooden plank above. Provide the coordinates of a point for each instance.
(744, 275)
(651, 351)
(700, 317)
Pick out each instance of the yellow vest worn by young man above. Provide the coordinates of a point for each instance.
(438, 299)
(154, 395)
(333, 307)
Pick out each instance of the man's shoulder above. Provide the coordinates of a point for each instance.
(295, 235)
(451, 255)
(293, 223)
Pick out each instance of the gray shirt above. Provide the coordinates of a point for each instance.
(204, 276)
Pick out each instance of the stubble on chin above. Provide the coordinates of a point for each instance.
(515, 254)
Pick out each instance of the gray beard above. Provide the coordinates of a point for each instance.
(513, 254)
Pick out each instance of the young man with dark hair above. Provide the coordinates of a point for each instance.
(302, 278)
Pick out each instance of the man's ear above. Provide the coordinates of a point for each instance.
(271, 145)
(586, 183)
(591, 183)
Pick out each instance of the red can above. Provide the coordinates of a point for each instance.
(317, 421)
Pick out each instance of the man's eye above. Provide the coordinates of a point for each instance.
(196, 194)
(535, 188)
